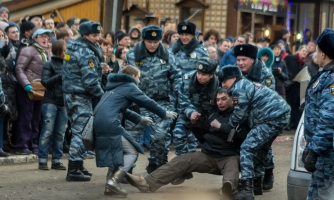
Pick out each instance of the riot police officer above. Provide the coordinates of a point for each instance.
(81, 83)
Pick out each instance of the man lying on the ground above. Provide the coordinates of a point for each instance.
(218, 156)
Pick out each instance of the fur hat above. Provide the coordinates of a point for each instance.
(206, 65)
(229, 71)
(89, 27)
(3, 8)
(325, 42)
(247, 50)
(152, 33)
(186, 27)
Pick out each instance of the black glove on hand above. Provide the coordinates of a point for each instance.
(310, 160)
(305, 152)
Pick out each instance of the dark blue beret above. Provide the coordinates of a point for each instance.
(247, 50)
(89, 27)
(229, 71)
(152, 33)
(186, 27)
(206, 65)
(325, 42)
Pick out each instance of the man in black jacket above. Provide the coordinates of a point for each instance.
(218, 156)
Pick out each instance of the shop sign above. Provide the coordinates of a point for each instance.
(277, 7)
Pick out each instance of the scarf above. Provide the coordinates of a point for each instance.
(188, 48)
(300, 60)
(42, 51)
(94, 47)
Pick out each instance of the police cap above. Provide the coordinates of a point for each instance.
(152, 33)
(89, 27)
(186, 27)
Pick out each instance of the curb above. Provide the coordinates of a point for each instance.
(18, 159)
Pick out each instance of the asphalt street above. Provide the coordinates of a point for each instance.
(26, 181)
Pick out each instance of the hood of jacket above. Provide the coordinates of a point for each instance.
(115, 80)
(132, 29)
(271, 56)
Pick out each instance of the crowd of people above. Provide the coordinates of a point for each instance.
(230, 97)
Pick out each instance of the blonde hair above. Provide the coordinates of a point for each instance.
(130, 70)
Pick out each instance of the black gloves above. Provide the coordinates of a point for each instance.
(309, 159)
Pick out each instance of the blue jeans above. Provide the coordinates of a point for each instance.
(53, 131)
(2, 121)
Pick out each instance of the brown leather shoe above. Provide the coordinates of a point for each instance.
(139, 182)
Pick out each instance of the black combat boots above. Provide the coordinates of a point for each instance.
(74, 173)
(257, 186)
(84, 170)
(268, 180)
(245, 191)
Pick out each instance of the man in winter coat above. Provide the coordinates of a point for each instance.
(81, 83)
(218, 156)
(318, 155)
(196, 102)
(266, 113)
(229, 58)
(159, 78)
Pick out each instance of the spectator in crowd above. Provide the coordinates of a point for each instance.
(4, 13)
(279, 71)
(53, 110)
(199, 35)
(294, 64)
(307, 36)
(107, 49)
(223, 46)
(263, 41)
(135, 35)
(140, 25)
(61, 25)
(37, 20)
(49, 24)
(27, 29)
(122, 39)
(109, 36)
(28, 68)
(267, 56)
(120, 58)
(311, 49)
(83, 20)
(169, 38)
(75, 33)
(229, 58)
(212, 36)
(73, 23)
(312, 65)
(212, 52)
(284, 36)
(284, 54)
(64, 33)
(250, 37)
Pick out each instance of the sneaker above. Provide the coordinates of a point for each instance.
(91, 153)
(35, 151)
(58, 166)
(3, 154)
(43, 166)
(89, 156)
(22, 152)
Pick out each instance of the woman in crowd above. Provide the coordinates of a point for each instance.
(115, 148)
(169, 38)
(28, 68)
(294, 64)
(107, 48)
(53, 110)
(110, 37)
(120, 57)
(212, 36)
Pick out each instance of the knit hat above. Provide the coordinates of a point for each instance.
(71, 21)
(33, 16)
(186, 27)
(89, 27)
(230, 38)
(206, 65)
(3, 8)
(119, 35)
(152, 33)
(247, 50)
(229, 71)
(12, 24)
(325, 42)
(283, 31)
(27, 26)
(83, 20)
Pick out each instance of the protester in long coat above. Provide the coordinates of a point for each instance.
(111, 138)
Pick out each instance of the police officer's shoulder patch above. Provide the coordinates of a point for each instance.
(235, 101)
(331, 89)
(67, 57)
(91, 63)
(268, 82)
